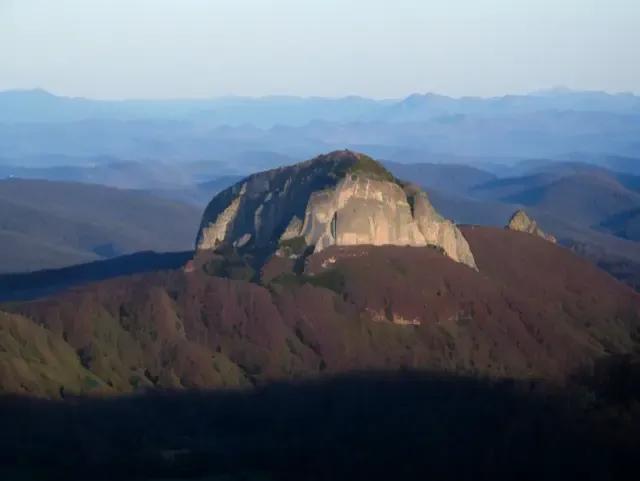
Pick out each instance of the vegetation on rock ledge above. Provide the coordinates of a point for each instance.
(297, 244)
(332, 279)
(354, 163)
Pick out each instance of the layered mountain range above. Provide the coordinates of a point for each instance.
(39, 129)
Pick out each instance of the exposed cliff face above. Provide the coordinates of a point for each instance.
(521, 222)
(436, 229)
(342, 198)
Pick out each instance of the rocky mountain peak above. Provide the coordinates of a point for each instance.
(520, 221)
(340, 163)
(339, 198)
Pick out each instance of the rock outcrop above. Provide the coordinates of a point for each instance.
(436, 229)
(521, 222)
(342, 198)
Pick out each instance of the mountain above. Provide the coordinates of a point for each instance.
(532, 310)
(316, 357)
(468, 210)
(617, 255)
(33, 285)
(602, 127)
(41, 106)
(341, 198)
(587, 198)
(454, 178)
(547, 134)
(46, 224)
(556, 167)
(629, 165)
(327, 265)
(424, 106)
(625, 224)
(460, 192)
(113, 173)
(503, 189)
(198, 194)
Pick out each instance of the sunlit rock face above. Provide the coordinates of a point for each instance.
(342, 198)
(521, 222)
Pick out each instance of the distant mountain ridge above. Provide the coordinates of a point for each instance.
(543, 134)
(41, 106)
(38, 128)
(588, 196)
(45, 224)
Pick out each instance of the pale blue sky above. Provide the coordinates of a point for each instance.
(379, 48)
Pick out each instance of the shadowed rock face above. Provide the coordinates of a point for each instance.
(342, 198)
(521, 222)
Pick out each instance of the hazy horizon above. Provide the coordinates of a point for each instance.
(170, 49)
(274, 96)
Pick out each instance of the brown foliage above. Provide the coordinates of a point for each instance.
(534, 310)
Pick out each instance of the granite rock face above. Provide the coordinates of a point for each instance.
(521, 222)
(436, 229)
(342, 198)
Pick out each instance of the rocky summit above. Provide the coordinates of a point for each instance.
(342, 198)
(521, 222)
